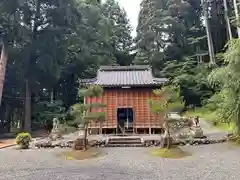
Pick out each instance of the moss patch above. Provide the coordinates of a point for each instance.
(172, 153)
(81, 155)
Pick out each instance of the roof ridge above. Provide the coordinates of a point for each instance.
(124, 68)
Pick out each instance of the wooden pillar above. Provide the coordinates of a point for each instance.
(149, 113)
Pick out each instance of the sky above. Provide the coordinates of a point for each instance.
(132, 8)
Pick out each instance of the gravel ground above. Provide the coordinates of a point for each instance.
(210, 162)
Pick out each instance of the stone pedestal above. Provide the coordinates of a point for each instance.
(55, 134)
(196, 132)
(81, 132)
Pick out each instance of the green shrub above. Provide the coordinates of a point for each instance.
(23, 139)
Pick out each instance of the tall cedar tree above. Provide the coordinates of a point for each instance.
(118, 32)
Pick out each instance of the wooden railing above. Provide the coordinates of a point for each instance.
(130, 125)
(103, 125)
(148, 124)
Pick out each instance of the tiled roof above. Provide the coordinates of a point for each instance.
(113, 76)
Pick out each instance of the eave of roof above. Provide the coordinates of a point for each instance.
(120, 76)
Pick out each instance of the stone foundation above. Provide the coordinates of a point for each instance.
(46, 143)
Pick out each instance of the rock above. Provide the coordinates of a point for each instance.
(156, 143)
(148, 143)
(182, 143)
(46, 143)
(93, 143)
(182, 135)
(102, 145)
(206, 141)
(56, 143)
(70, 143)
(191, 142)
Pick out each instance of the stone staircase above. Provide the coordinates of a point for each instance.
(124, 141)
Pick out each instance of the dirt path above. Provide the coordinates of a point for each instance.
(210, 131)
(207, 127)
(6, 143)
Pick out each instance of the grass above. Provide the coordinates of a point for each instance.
(211, 117)
(172, 153)
(81, 155)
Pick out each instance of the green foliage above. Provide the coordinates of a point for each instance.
(54, 43)
(67, 129)
(118, 32)
(44, 112)
(167, 30)
(97, 116)
(118, 24)
(77, 111)
(170, 100)
(23, 139)
(215, 102)
(227, 77)
(91, 91)
(82, 112)
(49, 110)
(193, 83)
(171, 38)
(211, 117)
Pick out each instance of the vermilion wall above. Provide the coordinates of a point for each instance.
(135, 98)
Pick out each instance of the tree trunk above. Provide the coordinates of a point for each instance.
(3, 63)
(238, 120)
(53, 94)
(8, 117)
(235, 5)
(229, 31)
(27, 120)
(85, 136)
(28, 102)
(209, 35)
(199, 57)
(166, 137)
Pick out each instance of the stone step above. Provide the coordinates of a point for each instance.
(128, 131)
(124, 145)
(124, 139)
(124, 142)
